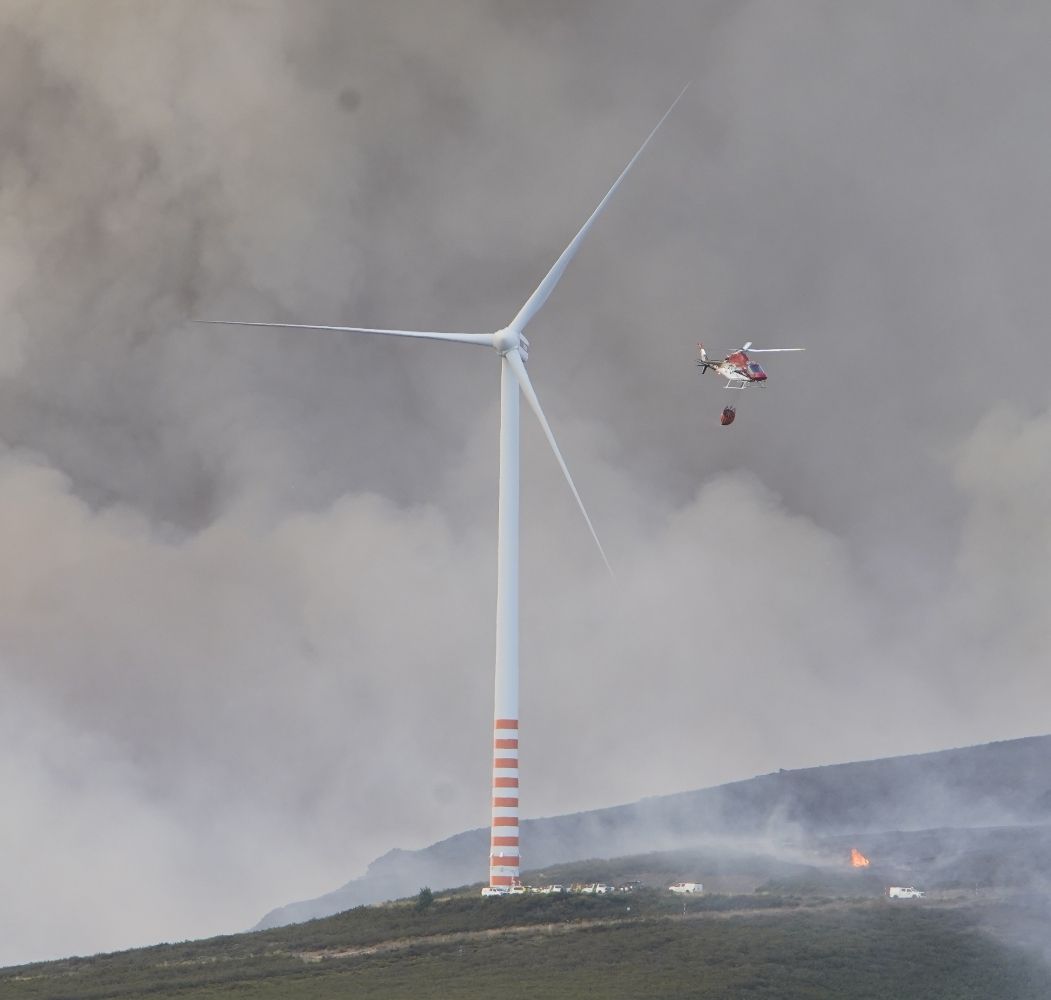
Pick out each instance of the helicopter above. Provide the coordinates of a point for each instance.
(739, 370)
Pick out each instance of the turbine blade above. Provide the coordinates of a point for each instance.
(547, 286)
(460, 338)
(772, 350)
(515, 361)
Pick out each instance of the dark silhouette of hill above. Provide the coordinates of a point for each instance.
(1000, 784)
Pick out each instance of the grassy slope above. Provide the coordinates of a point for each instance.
(465, 947)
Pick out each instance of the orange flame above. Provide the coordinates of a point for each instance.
(857, 859)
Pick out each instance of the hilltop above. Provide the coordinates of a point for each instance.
(993, 785)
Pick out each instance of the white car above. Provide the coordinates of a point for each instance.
(905, 892)
(494, 890)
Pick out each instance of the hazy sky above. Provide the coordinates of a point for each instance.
(246, 626)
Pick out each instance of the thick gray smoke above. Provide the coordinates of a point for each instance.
(247, 614)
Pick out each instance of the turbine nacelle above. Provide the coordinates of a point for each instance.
(510, 339)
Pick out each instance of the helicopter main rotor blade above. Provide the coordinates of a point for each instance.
(770, 350)
(547, 286)
(514, 359)
(460, 338)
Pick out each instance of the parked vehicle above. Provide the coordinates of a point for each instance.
(905, 892)
(686, 887)
(494, 890)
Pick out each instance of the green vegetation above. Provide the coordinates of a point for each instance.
(820, 882)
(630, 945)
(661, 868)
(425, 899)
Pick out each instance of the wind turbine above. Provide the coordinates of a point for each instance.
(511, 344)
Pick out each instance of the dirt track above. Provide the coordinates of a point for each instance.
(465, 937)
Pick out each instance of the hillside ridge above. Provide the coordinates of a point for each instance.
(1006, 782)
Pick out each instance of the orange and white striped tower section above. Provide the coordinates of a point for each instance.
(504, 858)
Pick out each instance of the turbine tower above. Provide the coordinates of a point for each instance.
(511, 345)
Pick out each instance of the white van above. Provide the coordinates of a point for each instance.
(904, 892)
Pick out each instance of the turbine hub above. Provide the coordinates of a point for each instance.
(508, 340)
